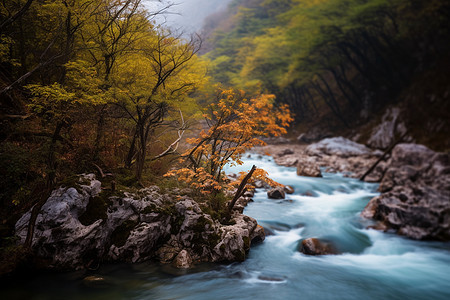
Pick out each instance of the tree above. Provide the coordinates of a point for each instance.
(236, 124)
(157, 80)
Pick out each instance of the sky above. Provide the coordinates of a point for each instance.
(188, 15)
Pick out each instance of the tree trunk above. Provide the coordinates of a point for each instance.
(241, 189)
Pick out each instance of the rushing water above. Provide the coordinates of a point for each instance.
(373, 265)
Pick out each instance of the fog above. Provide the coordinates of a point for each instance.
(187, 15)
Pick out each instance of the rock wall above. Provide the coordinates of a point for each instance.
(415, 194)
(134, 228)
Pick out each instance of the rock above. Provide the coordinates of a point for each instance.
(285, 152)
(249, 193)
(236, 239)
(183, 260)
(276, 193)
(384, 134)
(58, 221)
(337, 146)
(313, 246)
(289, 189)
(261, 184)
(133, 228)
(308, 170)
(415, 194)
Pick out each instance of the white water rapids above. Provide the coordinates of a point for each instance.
(372, 264)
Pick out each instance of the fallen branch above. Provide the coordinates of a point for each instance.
(388, 150)
(241, 189)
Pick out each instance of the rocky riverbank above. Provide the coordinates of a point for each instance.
(415, 194)
(81, 226)
(414, 181)
(331, 155)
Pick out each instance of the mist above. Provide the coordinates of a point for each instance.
(187, 15)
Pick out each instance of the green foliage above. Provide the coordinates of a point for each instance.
(294, 49)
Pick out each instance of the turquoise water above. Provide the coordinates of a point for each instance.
(373, 265)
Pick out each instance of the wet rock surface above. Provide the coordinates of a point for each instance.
(276, 193)
(308, 169)
(333, 155)
(313, 246)
(135, 227)
(415, 194)
(414, 182)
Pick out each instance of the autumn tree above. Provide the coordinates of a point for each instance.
(236, 124)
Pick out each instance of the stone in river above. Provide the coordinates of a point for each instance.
(313, 246)
(289, 189)
(183, 260)
(276, 193)
(308, 170)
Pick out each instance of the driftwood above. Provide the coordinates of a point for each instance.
(241, 189)
(388, 150)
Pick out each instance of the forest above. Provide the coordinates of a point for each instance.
(160, 116)
(91, 86)
(336, 60)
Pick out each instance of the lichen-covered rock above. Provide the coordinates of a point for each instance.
(133, 228)
(313, 246)
(415, 199)
(276, 193)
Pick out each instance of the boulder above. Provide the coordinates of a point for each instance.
(236, 239)
(308, 169)
(415, 194)
(313, 246)
(132, 228)
(276, 193)
(337, 146)
(183, 260)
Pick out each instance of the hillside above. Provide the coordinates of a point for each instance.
(341, 64)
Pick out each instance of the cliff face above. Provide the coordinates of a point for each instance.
(415, 194)
(78, 227)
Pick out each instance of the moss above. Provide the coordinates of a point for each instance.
(201, 224)
(150, 209)
(122, 232)
(74, 181)
(239, 254)
(167, 185)
(246, 240)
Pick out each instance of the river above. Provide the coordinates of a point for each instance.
(373, 264)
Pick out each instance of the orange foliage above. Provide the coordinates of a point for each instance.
(236, 124)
